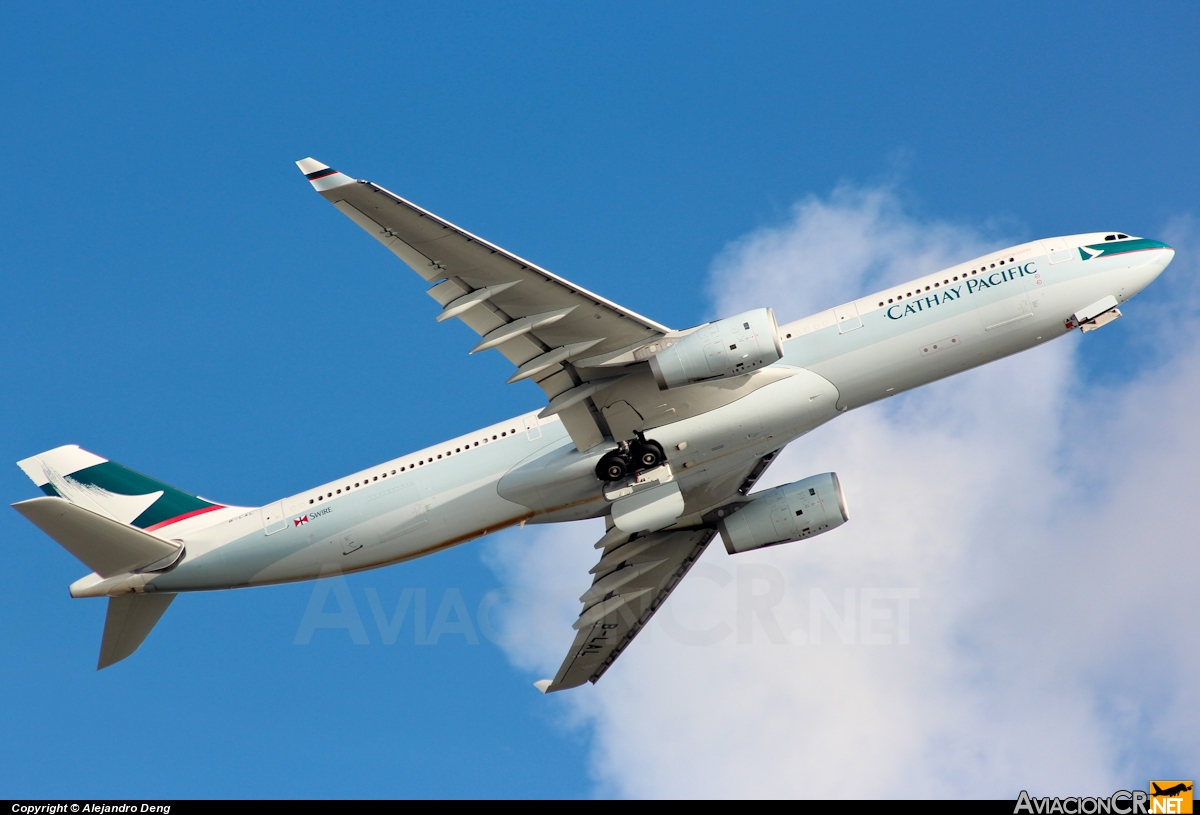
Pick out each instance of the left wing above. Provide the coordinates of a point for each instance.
(542, 323)
(635, 575)
(633, 578)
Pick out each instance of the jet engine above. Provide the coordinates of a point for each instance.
(729, 347)
(792, 512)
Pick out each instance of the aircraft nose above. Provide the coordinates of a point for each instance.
(1156, 257)
(1162, 256)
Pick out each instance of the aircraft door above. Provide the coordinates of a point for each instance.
(1057, 250)
(847, 318)
(532, 430)
(272, 518)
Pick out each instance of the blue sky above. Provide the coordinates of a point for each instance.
(175, 297)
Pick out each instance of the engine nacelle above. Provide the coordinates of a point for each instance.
(789, 513)
(729, 347)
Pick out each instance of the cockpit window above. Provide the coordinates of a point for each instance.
(1110, 237)
(1122, 237)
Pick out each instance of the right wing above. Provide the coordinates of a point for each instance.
(542, 323)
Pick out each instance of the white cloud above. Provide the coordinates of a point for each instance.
(1047, 525)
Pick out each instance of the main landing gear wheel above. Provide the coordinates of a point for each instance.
(647, 454)
(638, 455)
(613, 466)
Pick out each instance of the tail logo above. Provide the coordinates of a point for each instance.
(107, 488)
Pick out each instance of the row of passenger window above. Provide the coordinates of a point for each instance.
(410, 466)
(937, 285)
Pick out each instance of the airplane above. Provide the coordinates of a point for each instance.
(1170, 792)
(663, 433)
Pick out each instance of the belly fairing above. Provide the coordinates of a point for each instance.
(560, 484)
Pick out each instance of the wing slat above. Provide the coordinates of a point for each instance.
(460, 265)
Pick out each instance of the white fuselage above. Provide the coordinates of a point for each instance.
(528, 470)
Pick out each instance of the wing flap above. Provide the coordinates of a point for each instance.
(636, 573)
(606, 627)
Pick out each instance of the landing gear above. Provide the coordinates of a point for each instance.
(634, 456)
(648, 454)
(613, 466)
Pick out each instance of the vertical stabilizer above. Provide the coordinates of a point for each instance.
(130, 618)
(109, 489)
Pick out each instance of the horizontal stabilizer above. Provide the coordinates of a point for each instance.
(130, 618)
(106, 546)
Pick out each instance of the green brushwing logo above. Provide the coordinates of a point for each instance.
(1110, 248)
(173, 505)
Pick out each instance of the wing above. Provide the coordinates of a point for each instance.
(540, 322)
(633, 579)
(635, 575)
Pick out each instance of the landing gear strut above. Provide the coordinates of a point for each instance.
(633, 456)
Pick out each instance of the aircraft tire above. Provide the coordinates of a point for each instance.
(647, 454)
(613, 466)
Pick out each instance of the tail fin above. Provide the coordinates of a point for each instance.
(130, 618)
(105, 515)
(106, 488)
